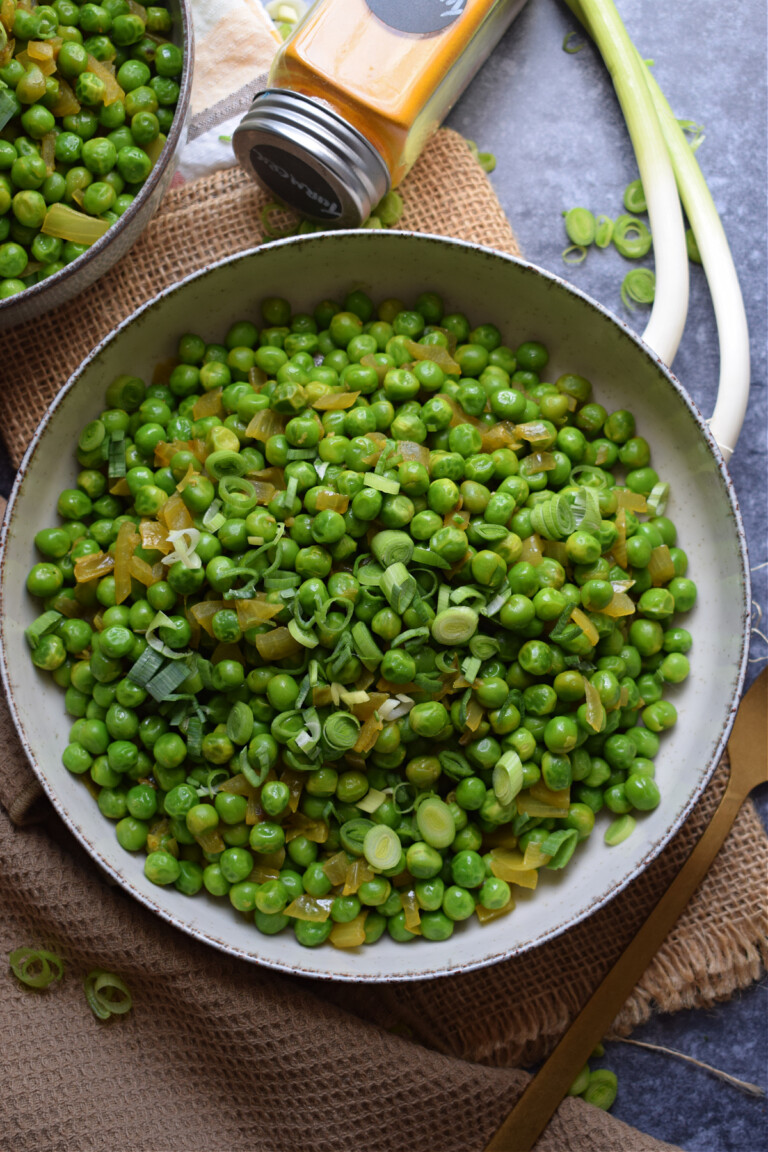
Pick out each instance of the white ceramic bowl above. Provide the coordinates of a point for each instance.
(113, 245)
(582, 337)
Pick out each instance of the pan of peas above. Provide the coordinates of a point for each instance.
(388, 603)
(93, 106)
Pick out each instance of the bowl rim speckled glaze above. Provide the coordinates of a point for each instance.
(320, 246)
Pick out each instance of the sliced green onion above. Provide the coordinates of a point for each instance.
(484, 647)
(554, 518)
(574, 254)
(431, 559)
(214, 517)
(382, 848)
(631, 237)
(160, 620)
(634, 197)
(381, 483)
(435, 821)
(571, 49)
(586, 506)
(580, 226)
(366, 648)
(507, 777)
(35, 967)
(372, 800)
(41, 627)
(303, 636)
(455, 626)
(560, 846)
(409, 803)
(493, 606)
(116, 456)
(149, 663)
(386, 458)
(100, 988)
(603, 231)
(352, 835)
(471, 667)
(443, 599)
(279, 582)
(237, 492)
(428, 683)
(341, 730)
(409, 636)
(8, 106)
(240, 723)
(619, 830)
(194, 736)
(657, 498)
(166, 681)
(638, 287)
(455, 764)
(564, 629)
(392, 547)
(399, 587)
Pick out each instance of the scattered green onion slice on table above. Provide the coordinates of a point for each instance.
(36, 967)
(106, 994)
(638, 287)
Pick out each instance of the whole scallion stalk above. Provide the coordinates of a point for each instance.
(727, 300)
(649, 117)
(670, 308)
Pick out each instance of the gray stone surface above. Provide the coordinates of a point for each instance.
(553, 122)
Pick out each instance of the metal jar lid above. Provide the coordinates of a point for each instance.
(311, 158)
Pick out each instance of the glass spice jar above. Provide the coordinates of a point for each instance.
(355, 93)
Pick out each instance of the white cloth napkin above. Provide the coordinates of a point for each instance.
(235, 41)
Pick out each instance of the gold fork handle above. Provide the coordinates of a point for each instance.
(532, 1113)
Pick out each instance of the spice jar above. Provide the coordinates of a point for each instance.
(355, 93)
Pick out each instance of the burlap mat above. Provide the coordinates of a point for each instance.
(218, 1055)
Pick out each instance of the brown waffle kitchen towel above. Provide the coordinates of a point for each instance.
(218, 1055)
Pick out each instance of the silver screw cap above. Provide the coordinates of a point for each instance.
(311, 158)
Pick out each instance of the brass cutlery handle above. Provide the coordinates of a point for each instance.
(531, 1114)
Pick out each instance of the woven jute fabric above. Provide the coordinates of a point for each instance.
(220, 1055)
